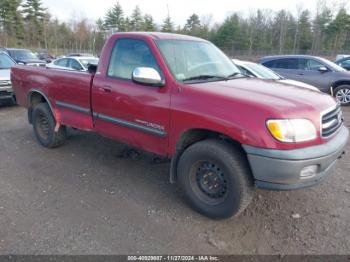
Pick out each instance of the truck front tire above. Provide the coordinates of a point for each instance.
(215, 178)
(44, 127)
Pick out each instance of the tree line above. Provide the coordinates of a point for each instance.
(326, 30)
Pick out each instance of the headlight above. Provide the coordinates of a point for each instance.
(292, 130)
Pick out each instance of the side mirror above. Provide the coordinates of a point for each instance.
(147, 76)
(92, 69)
(323, 69)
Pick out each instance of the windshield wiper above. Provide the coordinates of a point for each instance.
(203, 77)
(206, 77)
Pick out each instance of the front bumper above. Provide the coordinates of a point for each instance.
(281, 169)
(6, 92)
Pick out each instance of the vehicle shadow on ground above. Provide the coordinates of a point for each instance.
(7, 104)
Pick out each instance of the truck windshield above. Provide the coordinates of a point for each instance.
(196, 61)
(5, 62)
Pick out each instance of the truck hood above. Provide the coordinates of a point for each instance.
(280, 98)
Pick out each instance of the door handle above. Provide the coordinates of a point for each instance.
(105, 89)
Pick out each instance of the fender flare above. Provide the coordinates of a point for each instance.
(29, 97)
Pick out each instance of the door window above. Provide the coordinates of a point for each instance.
(129, 54)
(345, 63)
(75, 65)
(285, 63)
(313, 65)
(288, 63)
(62, 62)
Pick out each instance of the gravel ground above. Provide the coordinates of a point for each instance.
(95, 196)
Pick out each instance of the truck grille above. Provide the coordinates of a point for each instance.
(332, 121)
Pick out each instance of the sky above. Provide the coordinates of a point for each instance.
(179, 10)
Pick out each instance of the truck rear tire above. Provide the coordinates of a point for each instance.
(44, 127)
(216, 178)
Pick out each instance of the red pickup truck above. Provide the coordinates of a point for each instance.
(182, 98)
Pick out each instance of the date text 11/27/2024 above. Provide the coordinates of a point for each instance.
(173, 258)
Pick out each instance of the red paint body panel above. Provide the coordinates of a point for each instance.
(57, 85)
(237, 108)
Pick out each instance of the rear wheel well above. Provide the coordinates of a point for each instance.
(35, 98)
(191, 137)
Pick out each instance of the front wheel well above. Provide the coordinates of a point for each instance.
(191, 137)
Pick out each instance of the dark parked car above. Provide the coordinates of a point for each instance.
(344, 63)
(80, 54)
(45, 56)
(24, 56)
(319, 72)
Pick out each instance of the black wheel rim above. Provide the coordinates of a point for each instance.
(42, 126)
(209, 182)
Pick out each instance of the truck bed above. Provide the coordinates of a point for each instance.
(53, 82)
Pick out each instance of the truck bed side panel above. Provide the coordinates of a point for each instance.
(68, 93)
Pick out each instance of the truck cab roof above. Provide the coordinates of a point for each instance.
(160, 36)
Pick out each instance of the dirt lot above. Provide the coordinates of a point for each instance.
(89, 197)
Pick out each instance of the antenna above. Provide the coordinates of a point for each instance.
(167, 6)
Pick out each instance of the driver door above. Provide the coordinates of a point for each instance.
(132, 113)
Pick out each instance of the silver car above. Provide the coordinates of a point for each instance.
(79, 63)
(319, 72)
(260, 71)
(6, 92)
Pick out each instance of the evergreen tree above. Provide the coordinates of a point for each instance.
(193, 25)
(34, 15)
(280, 26)
(128, 24)
(148, 24)
(305, 34)
(229, 35)
(337, 30)
(168, 25)
(319, 26)
(115, 18)
(11, 21)
(263, 32)
(100, 36)
(136, 20)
